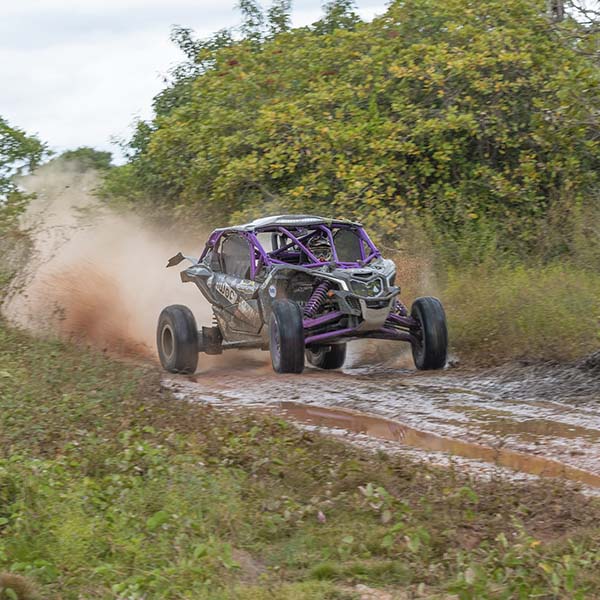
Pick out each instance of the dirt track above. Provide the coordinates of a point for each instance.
(525, 418)
(546, 413)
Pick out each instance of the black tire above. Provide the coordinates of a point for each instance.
(432, 349)
(286, 337)
(177, 339)
(325, 357)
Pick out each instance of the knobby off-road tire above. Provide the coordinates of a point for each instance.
(327, 358)
(177, 339)
(286, 337)
(431, 352)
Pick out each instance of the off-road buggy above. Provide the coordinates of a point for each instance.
(299, 286)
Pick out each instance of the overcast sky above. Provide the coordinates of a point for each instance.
(78, 72)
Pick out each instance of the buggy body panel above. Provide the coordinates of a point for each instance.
(329, 267)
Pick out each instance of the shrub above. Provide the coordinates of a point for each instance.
(504, 312)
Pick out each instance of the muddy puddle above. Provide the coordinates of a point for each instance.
(501, 424)
(387, 429)
(491, 420)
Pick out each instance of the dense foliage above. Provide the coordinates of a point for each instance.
(86, 158)
(19, 153)
(463, 112)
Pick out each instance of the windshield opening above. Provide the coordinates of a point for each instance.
(315, 245)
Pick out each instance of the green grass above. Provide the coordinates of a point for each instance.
(111, 488)
(498, 313)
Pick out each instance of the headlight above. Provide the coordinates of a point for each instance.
(367, 288)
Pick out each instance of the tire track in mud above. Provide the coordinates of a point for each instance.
(83, 280)
(89, 267)
(526, 420)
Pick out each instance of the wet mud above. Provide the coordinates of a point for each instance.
(541, 420)
(92, 274)
(387, 429)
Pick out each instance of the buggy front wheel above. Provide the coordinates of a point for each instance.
(286, 337)
(431, 346)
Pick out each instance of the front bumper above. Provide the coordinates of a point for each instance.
(371, 311)
(361, 317)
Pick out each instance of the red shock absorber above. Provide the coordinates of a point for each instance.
(316, 300)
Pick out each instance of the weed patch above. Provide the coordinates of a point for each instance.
(111, 488)
(501, 313)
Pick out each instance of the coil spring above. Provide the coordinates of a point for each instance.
(318, 296)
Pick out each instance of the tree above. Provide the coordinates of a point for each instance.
(253, 20)
(200, 55)
(88, 158)
(339, 14)
(19, 154)
(556, 10)
(278, 16)
(463, 114)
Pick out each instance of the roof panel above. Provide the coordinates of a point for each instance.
(286, 221)
(292, 221)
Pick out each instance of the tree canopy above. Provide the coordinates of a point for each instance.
(458, 111)
(19, 153)
(88, 158)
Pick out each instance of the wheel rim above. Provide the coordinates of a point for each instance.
(315, 356)
(167, 341)
(419, 347)
(275, 344)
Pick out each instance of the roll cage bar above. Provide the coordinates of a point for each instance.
(298, 246)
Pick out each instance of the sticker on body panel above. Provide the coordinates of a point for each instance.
(248, 312)
(245, 286)
(226, 291)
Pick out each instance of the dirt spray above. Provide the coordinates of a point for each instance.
(98, 275)
(94, 274)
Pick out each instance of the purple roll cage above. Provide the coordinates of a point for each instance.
(399, 326)
(260, 257)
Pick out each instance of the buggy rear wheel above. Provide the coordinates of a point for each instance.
(431, 350)
(327, 357)
(286, 337)
(177, 339)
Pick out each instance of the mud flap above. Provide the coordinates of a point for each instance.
(175, 260)
(209, 340)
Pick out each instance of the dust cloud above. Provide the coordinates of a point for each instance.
(93, 274)
(98, 276)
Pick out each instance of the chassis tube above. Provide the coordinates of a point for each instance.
(319, 337)
(381, 334)
(405, 321)
(332, 316)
